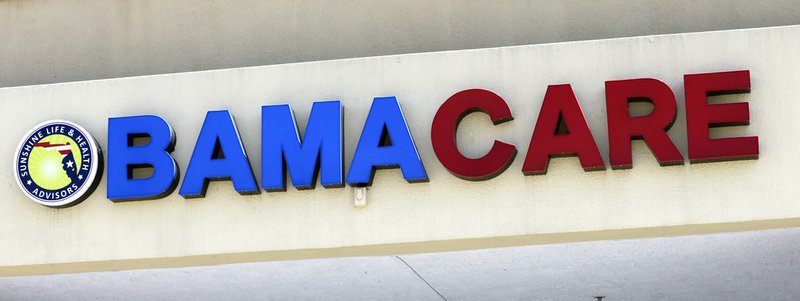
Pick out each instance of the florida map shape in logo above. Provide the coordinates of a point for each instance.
(56, 163)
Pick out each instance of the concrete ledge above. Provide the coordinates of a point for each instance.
(393, 249)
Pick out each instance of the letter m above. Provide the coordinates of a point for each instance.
(318, 152)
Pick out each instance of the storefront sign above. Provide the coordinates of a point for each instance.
(57, 162)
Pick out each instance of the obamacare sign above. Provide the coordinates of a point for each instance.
(58, 163)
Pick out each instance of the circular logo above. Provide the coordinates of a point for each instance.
(56, 163)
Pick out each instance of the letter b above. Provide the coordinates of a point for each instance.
(123, 157)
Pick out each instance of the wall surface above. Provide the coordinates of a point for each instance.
(758, 265)
(447, 213)
(50, 41)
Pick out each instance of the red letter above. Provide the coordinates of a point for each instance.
(700, 116)
(560, 105)
(652, 127)
(443, 135)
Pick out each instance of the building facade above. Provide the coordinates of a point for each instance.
(374, 94)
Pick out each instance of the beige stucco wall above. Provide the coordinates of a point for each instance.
(48, 41)
(446, 213)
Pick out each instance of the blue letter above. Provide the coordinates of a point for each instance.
(218, 135)
(385, 114)
(123, 157)
(322, 141)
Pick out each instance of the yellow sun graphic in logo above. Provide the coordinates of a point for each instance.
(46, 164)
